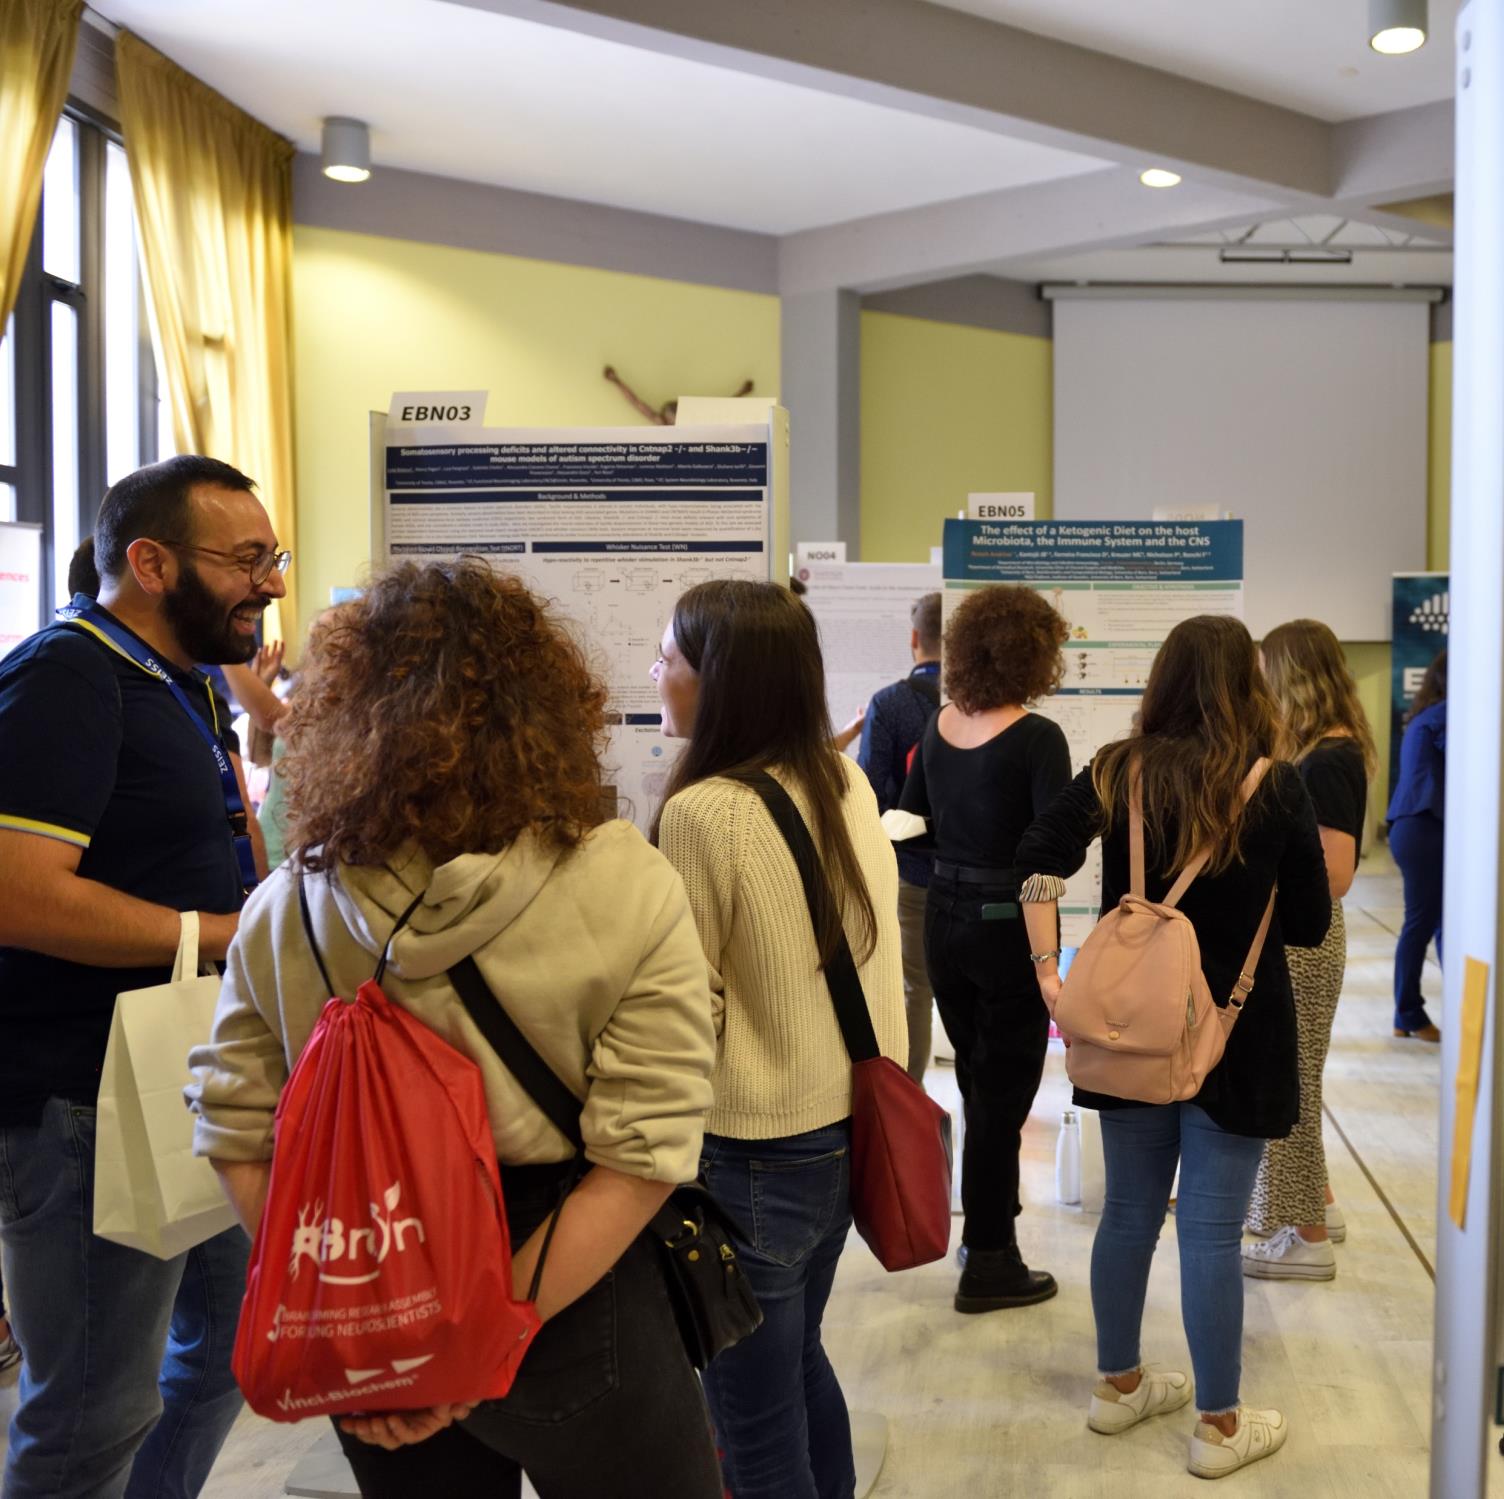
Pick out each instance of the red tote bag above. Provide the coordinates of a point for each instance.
(900, 1137)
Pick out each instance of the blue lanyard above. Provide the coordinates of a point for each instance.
(98, 623)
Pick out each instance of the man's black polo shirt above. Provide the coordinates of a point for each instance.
(96, 751)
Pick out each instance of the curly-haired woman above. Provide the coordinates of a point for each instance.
(443, 744)
(985, 769)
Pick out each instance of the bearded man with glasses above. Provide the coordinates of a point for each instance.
(120, 807)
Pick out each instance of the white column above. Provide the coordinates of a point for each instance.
(821, 358)
(1467, 1261)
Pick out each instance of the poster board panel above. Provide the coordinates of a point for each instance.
(610, 524)
(1121, 588)
(20, 583)
(863, 611)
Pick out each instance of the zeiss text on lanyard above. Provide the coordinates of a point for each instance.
(128, 645)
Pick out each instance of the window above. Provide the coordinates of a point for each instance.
(78, 385)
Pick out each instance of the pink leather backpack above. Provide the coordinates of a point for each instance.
(1135, 1004)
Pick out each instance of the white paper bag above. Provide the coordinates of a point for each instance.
(150, 1191)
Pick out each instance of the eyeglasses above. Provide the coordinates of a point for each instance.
(260, 567)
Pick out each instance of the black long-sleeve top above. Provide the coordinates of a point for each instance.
(1255, 1089)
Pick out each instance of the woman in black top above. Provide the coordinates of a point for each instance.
(1206, 720)
(984, 769)
(1324, 731)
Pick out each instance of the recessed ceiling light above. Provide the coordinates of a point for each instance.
(1159, 177)
(1396, 26)
(347, 150)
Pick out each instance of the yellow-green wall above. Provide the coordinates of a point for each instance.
(947, 410)
(376, 315)
(983, 402)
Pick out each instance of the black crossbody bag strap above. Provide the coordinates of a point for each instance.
(553, 1098)
(841, 976)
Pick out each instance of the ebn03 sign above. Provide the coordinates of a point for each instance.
(436, 413)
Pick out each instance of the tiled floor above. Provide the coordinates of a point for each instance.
(994, 1405)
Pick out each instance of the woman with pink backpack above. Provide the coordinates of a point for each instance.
(1205, 841)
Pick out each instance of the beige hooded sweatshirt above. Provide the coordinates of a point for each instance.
(594, 951)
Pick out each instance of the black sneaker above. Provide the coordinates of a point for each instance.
(998, 1278)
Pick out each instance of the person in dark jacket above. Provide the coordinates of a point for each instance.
(1206, 721)
(1416, 839)
(891, 728)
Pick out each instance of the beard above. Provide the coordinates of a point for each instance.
(202, 624)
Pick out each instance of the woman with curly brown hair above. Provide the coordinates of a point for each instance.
(443, 749)
(985, 768)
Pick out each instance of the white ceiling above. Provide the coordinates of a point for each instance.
(469, 94)
(1308, 55)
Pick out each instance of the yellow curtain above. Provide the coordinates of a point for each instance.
(37, 38)
(213, 191)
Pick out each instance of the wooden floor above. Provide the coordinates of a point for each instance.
(995, 1405)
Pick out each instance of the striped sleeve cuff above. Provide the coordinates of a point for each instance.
(44, 829)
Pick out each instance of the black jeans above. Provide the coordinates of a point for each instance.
(606, 1404)
(990, 1003)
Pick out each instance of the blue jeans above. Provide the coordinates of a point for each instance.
(94, 1320)
(1140, 1147)
(1417, 843)
(774, 1399)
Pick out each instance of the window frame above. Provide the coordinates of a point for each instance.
(32, 472)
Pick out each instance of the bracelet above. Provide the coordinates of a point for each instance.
(1044, 957)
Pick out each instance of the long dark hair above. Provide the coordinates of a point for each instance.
(762, 704)
(1206, 716)
(1433, 687)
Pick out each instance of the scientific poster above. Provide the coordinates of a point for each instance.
(20, 583)
(1422, 620)
(1121, 587)
(863, 610)
(611, 524)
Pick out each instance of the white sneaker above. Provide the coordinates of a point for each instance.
(1159, 1392)
(1259, 1434)
(1284, 1255)
(1336, 1224)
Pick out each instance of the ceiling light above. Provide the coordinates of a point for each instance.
(347, 150)
(1159, 177)
(1396, 26)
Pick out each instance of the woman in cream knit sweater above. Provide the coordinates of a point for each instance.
(741, 677)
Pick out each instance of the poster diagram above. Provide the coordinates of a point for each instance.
(611, 525)
(1121, 588)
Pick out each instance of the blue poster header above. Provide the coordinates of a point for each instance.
(1063, 551)
(585, 464)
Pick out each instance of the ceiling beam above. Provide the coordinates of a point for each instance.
(1095, 211)
(950, 65)
(1410, 153)
(1241, 159)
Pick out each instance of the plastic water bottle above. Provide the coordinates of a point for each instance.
(1068, 1159)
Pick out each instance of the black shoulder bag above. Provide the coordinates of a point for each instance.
(712, 1302)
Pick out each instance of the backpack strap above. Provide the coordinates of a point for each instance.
(1244, 985)
(313, 941)
(841, 978)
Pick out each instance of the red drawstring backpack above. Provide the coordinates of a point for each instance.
(381, 1275)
